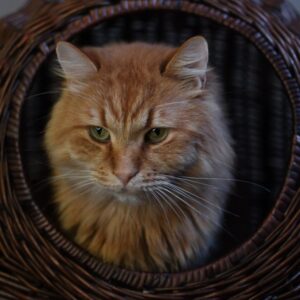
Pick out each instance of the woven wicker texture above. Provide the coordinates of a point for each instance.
(262, 96)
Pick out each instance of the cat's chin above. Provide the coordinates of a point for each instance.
(124, 197)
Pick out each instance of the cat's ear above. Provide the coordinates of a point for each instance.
(75, 63)
(189, 61)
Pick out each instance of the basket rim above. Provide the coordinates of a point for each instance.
(288, 190)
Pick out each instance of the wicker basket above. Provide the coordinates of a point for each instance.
(257, 57)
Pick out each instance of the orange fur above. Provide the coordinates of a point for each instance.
(128, 89)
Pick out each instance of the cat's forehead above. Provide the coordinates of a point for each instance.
(123, 99)
(134, 117)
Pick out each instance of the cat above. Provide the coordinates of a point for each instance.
(139, 145)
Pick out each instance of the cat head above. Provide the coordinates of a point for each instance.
(134, 117)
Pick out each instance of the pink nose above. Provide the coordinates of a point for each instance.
(125, 175)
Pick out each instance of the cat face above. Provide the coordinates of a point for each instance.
(132, 118)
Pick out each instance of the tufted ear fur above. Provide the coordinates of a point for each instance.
(75, 63)
(189, 61)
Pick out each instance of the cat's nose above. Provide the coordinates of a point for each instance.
(125, 175)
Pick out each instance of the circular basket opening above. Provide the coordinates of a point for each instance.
(257, 106)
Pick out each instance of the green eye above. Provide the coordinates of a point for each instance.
(156, 135)
(99, 134)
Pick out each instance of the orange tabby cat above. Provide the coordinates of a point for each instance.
(138, 146)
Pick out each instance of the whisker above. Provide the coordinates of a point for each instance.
(156, 197)
(174, 103)
(56, 178)
(80, 188)
(174, 203)
(43, 93)
(225, 179)
(216, 188)
(183, 201)
(197, 196)
(199, 212)
(189, 181)
(191, 195)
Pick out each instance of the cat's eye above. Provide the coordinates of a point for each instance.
(156, 135)
(99, 134)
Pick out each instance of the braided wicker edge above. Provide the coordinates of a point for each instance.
(283, 60)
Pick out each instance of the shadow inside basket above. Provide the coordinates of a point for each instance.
(255, 100)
